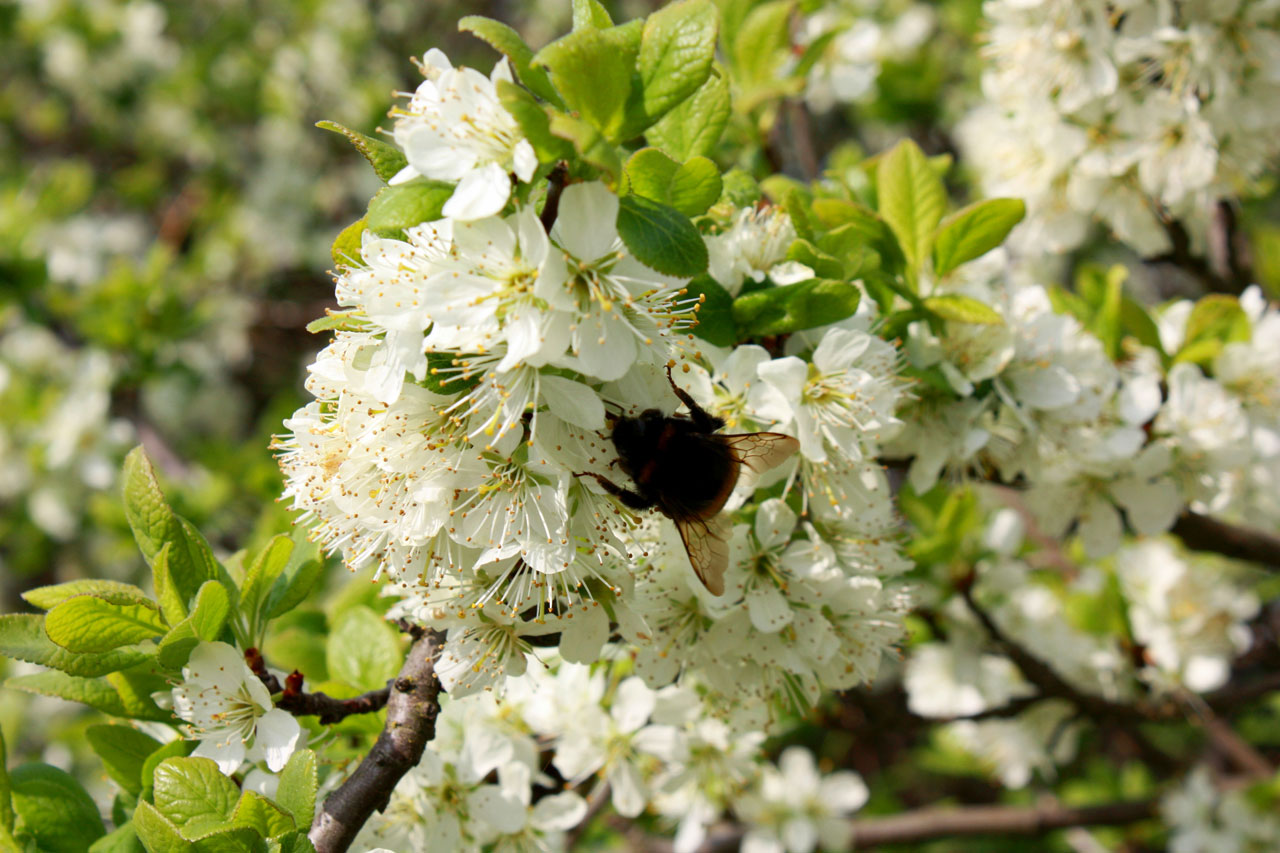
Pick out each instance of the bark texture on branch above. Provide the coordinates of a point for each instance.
(1202, 533)
(931, 824)
(412, 708)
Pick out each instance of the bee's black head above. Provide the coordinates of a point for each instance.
(637, 438)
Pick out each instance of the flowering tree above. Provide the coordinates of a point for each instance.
(1014, 526)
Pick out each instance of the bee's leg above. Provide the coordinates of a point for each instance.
(702, 419)
(633, 500)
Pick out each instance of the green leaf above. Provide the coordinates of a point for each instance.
(135, 686)
(191, 560)
(740, 189)
(661, 237)
(123, 750)
(589, 13)
(833, 213)
(911, 199)
(173, 605)
(293, 587)
(345, 250)
(264, 571)
(973, 231)
(97, 693)
(761, 46)
(386, 159)
(172, 749)
(123, 839)
(590, 144)
(592, 75)
(1217, 317)
(294, 842)
(1136, 321)
(265, 817)
(230, 839)
(508, 42)
(1106, 303)
(715, 314)
(963, 309)
(157, 832)
(363, 650)
(648, 172)
(403, 206)
(193, 794)
(534, 122)
(352, 320)
(676, 52)
(6, 789)
(87, 623)
(53, 810)
(823, 264)
(795, 307)
(695, 186)
(22, 637)
(48, 597)
(298, 786)
(692, 128)
(207, 619)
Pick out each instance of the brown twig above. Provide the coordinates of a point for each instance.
(555, 186)
(411, 724)
(1202, 533)
(302, 704)
(934, 823)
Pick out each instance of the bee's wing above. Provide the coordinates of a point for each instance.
(759, 452)
(706, 540)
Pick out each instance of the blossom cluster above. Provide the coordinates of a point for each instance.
(482, 360)
(1133, 115)
(570, 730)
(1097, 443)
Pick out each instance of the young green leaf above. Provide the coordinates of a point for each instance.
(590, 144)
(158, 833)
(1137, 321)
(208, 617)
(911, 199)
(676, 52)
(760, 48)
(298, 786)
(122, 839)
(53, 810)
(715, 314)
(973, 231)
(508, 42)
(695, 186)
(963, 309)
(1217, 317)
(386, 159)
(87, 623)
(693, 127)
(661, 237)
(345, 250)
(534, 122)
(135, 687)
(191, 560)
(193, 794)
(648, 172)
(403, 206)
(263, 816)
(363, 650)
(794, 307)
(264, 571)
(292, 587)
(94, 692)
(6, 789)
(589, 13)
(740, 189)
(592, 75)
(49, 597)
(22, 637)
(123, 750)
(344, 321)
(172, 749)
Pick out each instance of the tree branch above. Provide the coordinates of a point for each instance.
(1202, 533)
(555, 187)
(934, 823)
(411, 724)
(302, 704)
